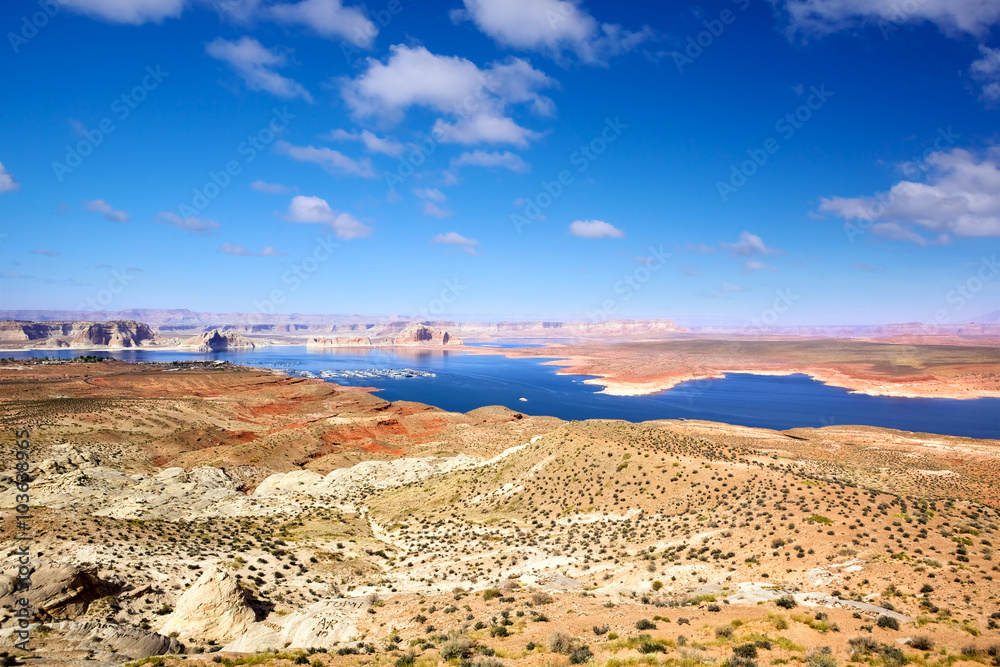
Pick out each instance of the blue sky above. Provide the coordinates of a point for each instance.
(800, 161)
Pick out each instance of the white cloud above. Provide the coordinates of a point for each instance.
(331, 160)
(595, 229)
(432, 209)
(134, 12)
(986, 71)
(476, 98)
(105, 209)
(327, 18)
(372, 142)
(43, 251)
(960, 197)
(552, 27)
(483, 128)
(314, 210)
(269, 188)
(951, 16)
(256, 64)
(430, 194)
(726, 287)
(192, 224)
(748, 245)
(753, 265)
(432, 197)
(456, 239)
(7, 182)
(242, 251)
(479, 158)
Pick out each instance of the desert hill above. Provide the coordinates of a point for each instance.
(223, 511)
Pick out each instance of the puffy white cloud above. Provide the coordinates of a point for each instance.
(256, 64)
(960, 196)
(986, 71)
(191, 224)
(269, 188)
(483, 128)
(372, 142)
(328, 18)
(475, 99)
(595, 229)
(105, 209)
(331, 160)
(242, 251)
(134, 12)
(314, 210)
(7, 182)
(479, 158)
(456, 239)
(951, 16)
(749, 244)
(551, 27)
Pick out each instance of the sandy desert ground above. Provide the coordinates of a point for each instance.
(634, 368)
(201, 514)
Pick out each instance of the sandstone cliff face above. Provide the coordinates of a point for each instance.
(218, 341)
(58, 591)
(421, 334)
(412, 335)
(562, 329)
(82, 335)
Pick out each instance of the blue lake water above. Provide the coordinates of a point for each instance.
(464, 382)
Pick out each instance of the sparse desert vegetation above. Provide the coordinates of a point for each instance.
(486, 539)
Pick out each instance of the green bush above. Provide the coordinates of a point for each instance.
(645, 624)
(560, 641)
(457, 645)
(786, 602)
(887, 622)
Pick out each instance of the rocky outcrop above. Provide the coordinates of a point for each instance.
(560, 329)
(322, 625)
(393, 335)
(218, 341)
(340, 341)
(115, 334)
(109, 643)
(172, 493)
(421, 334)
(59, 591)
(214, 608)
